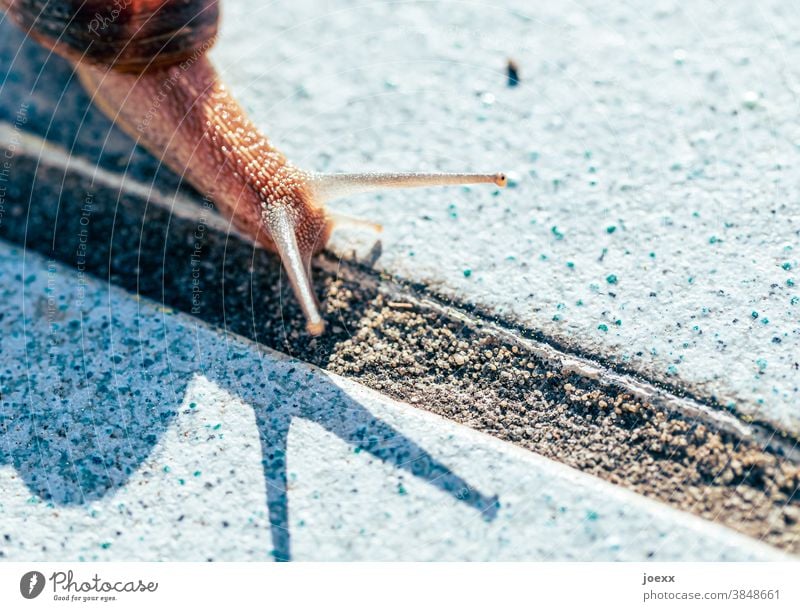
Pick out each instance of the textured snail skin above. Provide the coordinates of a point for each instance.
(172, 103)
(199, 131)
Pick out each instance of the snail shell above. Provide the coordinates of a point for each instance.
(144, 64)
(127, 35)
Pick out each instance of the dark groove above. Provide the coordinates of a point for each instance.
(764, 428)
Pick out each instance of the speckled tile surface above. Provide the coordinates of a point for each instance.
(654, 218)
(139, 433)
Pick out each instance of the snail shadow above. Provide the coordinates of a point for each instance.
(338, 413)
(76, 431)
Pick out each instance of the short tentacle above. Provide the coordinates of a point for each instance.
(337, 218)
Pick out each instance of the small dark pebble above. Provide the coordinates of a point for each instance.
(512, 70)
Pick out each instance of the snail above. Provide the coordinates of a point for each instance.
(144, 64)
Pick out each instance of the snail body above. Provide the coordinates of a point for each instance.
(144, 63)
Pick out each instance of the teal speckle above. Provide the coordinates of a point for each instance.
(611, 279)
(105, 545)
(790, 282)
(652, 255)
(787, 266)
(611, 229)
(603, 327)
(167, 469)
(192, 405)
(467, 273)
(556, 233)
(570, 265)
(765, 321)
(794, 300)
(556, 318)
(592, 516)
(762, 365)
(181, 481)
(217, 427)
(713, 239)
(618, 322)
(197, 473)
(357, 450)
(754, 314)
(401, 490)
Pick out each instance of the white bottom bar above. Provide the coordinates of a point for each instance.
(407, 586)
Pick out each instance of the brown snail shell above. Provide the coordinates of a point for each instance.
(144, 64)
(127, 35)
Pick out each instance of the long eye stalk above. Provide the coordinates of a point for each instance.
(297, 265)
(327, 187)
